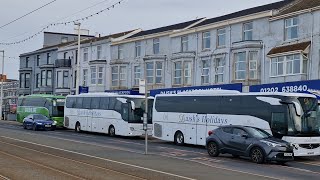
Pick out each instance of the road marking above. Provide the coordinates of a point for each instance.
(3, 177)
(41, 165)
(310, 163)
(80, 162)
(105, 159)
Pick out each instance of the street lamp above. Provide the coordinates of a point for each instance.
(78, 60)
(2, 72)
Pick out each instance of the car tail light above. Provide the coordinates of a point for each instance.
(210, 133)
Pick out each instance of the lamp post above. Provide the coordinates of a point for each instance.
(78, 60)
(2, 72)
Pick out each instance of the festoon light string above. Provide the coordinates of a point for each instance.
(63, 23)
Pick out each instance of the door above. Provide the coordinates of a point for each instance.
(239, 143)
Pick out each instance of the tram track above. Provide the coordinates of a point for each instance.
(130, 176)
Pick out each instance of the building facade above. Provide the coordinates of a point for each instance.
(36, 72)
(256, 48)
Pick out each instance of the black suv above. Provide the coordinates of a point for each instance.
(251, 142)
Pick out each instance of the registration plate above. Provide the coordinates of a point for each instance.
(47, 125)
(287, 154)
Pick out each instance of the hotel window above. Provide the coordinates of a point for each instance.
(205, 73)
(156, 46)
(66, 79)
(93, 75)
(59, 79)
(100, 75)
(38, 60)
(49, 78)
(182, 73)
(288, 65)
(291, 28)
(48, 58)
(27, 62)
(120, 52)
(221, 37)
(99, 51)
(184, 43)
(219, 67)
(240, 66)
(248, 31)
(85, 54)
(118, 76)
(154, 71)
(43, 78)
(206, 40)
(22, 80)
(253, 65)
(27, 80)
(138, 49)
(38, 80)
(85, 77)
(137, 75)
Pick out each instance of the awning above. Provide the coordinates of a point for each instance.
(292, 48)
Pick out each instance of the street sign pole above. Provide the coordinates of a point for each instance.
(143, 89)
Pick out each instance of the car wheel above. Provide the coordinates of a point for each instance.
(257, 155)
(34, 127)
(111, 131)
(179, 138)
(78, 127)
(213, 149)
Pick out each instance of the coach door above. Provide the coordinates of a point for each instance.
(88, 116)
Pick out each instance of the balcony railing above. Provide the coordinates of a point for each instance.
(63, 63)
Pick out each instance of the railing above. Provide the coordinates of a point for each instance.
(62, 63)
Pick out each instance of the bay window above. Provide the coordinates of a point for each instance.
(182, 73)
(100, 75)
(154, 70)
(253, 65)
(93, 70)
(219, 66)
(205, 72)
(288, 65)
(137, 75)
(118, 76)
(240, 66)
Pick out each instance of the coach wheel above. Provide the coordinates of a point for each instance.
(112, 131)
(179, 138)
(78, 127)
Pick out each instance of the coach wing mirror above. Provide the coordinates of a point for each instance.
(296, 105)
(133, 106)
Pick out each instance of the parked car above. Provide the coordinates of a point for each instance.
(251, 142)
(38, 122)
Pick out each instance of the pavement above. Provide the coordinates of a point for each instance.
(65, 154)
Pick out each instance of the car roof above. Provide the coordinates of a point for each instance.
(238, 126)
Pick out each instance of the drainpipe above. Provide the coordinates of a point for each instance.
(311, 48)
(263, 74)
(230, 44)
(195, 61)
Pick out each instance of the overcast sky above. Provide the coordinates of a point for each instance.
(131, 14)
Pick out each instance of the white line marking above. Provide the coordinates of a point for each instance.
(113, 161)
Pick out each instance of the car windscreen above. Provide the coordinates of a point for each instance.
(40, 117)
(257, 133)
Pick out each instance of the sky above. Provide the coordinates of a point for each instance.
(130, 14)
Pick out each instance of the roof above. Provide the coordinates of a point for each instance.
(258, 9)
(166, 28)
(243, 94)
(67, 34)
(53, 47)
(288, 48)
(44, 96)
(298, 6)
(117, 35)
